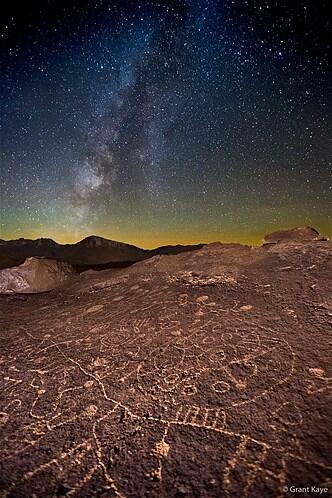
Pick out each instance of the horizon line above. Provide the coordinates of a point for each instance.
(164, 244)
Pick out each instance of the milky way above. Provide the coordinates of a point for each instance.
(163, 122)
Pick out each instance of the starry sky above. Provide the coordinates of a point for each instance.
(163, 122)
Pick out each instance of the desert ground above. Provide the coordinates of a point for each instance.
(203, 374)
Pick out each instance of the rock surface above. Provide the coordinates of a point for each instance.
(200, 375)
(299, 234)
(35, 275)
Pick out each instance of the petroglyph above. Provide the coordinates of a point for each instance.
(95, 309)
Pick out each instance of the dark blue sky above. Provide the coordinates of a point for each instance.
(164, 122)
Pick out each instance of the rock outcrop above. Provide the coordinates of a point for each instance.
(35, 275)
(299, 234)
(202, 374)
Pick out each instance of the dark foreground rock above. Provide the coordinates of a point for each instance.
(205, 374)
(35, 275)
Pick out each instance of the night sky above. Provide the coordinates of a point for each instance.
(164, 122)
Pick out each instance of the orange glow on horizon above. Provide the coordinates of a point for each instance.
(153, 240)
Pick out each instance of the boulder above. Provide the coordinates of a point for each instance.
(298, 235)
(35, 275)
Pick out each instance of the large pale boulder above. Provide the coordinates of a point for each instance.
(35, 275)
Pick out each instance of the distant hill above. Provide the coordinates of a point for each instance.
(91, 251)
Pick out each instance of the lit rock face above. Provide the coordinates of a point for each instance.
(300, 234)
(203, 374)
(34, 275)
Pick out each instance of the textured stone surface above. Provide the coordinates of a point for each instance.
(201, 375)
(34, 275)
(299, 234)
